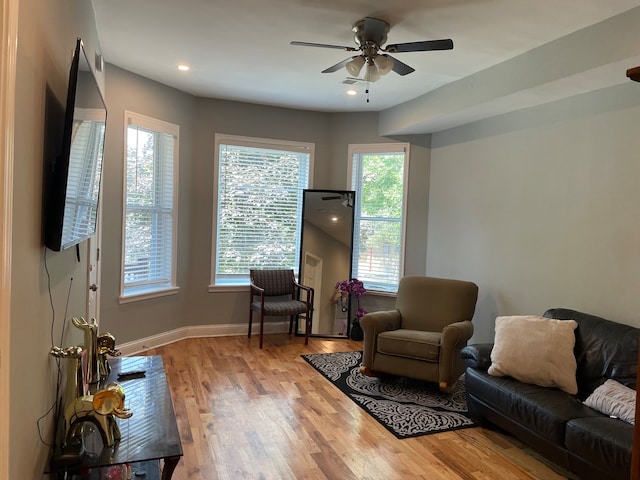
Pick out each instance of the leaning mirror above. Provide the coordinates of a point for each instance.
(325, 257)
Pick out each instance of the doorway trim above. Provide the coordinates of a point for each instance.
(8, 55)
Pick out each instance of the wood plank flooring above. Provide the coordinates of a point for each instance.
(246, 413)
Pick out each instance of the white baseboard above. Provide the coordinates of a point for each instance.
(197, 331)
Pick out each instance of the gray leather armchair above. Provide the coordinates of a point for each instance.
(423, 336)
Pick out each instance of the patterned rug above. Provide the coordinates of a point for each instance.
(406, 407)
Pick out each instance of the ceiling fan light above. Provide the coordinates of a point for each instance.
(355, 65)
(371, 73)
(384, 64)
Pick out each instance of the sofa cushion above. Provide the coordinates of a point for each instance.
(604, 349)
(603, 442)
(535, 350)
(613, 398)
(410, 344)
(540, 409)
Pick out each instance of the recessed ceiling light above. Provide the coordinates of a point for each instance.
(352, 92)
(183, 68)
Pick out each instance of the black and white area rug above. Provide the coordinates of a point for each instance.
(406, 407)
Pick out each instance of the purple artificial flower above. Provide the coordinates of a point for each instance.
(353, 286)
(356, 288)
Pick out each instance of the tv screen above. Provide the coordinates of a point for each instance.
(74, 185)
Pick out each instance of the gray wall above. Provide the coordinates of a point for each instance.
(540, 208)
(47, 34)
(130, 92)
(200, 119)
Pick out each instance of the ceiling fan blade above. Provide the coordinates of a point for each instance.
(401, 68)
(375, 30)
(337, 66)
(323, 45)
(427, 45)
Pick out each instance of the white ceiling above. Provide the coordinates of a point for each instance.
(508, 54)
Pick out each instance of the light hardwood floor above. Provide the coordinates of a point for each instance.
(246, 413)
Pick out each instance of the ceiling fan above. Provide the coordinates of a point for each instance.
(347, 198)
(370, 34)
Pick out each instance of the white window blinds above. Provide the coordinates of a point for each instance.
(150, 206)
(378, 175)
(258, 220)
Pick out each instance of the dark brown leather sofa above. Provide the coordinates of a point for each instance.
(554, 423)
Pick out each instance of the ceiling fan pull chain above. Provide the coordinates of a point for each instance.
(367, 92)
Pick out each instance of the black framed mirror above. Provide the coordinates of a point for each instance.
(325, 257)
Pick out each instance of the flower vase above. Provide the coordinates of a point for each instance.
(356, 330)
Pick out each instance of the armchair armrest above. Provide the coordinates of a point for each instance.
(454, 338)
(372, 324)
(477, 355)
(457, 334)
(309, 293)
(255, 290)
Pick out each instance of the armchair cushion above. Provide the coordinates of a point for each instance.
(411, 344)
(278, 309)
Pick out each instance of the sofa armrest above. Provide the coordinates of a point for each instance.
(372, 324)
(477, 355)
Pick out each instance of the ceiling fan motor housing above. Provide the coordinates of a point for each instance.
(370, 31)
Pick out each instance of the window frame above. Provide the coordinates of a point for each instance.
(379, 148)
(158, 289)
(235, 282)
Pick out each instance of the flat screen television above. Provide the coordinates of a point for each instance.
(71, 204)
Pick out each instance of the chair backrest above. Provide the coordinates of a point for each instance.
(275, 282)
(430, 304)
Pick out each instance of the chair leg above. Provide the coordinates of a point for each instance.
(367, 372)
(291, 318)
(261, 326)
(250, 320)
(307, 328)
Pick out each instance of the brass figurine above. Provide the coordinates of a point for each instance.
(91, 344)
(99, 409)
(89, 366)
(106, 346)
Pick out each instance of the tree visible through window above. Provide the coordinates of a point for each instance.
(378, 177)
(149, 253)
(260, 184)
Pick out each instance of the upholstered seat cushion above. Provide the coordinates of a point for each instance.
(411, 344)
(542, 410)
(601, 441)
(278, 309)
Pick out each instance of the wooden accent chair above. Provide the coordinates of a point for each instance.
(276, 293)
(423, 336)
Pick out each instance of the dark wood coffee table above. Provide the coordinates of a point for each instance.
(148, 437)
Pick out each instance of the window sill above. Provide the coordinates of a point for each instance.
(381, 293)
(145, 294)
(229, 288)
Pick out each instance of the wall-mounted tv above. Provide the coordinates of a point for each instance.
(71, 205)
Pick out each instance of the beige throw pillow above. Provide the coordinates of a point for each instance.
(614, 399)
(536, 350)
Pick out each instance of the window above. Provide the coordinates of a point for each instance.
(378, 175)
(259, 203)
(150, 216)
